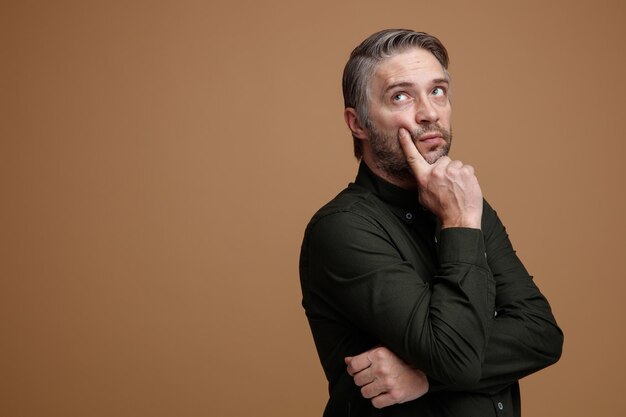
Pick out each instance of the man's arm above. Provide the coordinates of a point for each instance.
(524, 338)
(440, 327)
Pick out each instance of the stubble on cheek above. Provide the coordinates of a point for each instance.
(388, 153)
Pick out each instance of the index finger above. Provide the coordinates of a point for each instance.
(413, 156)
(358, 363)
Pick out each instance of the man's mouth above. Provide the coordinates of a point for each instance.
(430, 137)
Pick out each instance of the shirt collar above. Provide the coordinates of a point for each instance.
(404, 203)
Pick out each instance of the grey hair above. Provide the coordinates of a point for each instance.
(364, 59)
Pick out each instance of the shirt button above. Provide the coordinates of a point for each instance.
(409, 216)
(501, 406)
(435, 239)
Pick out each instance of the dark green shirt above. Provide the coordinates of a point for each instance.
(457, 303)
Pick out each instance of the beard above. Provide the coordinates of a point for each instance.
(389, 156)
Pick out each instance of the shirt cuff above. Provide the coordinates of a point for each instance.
(462, 245)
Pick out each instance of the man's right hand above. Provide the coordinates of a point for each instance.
(449, 189)
(385, 379)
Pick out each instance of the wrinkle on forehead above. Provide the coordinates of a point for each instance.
(413, 65)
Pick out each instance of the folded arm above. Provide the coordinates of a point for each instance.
(438, 324)
(524, 338)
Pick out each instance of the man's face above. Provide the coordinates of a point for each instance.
(408, 90)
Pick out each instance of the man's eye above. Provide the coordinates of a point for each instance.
(439, 91)
(400, 97)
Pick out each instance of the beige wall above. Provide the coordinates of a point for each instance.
(159, 163)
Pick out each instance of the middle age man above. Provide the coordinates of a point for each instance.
(408, 276)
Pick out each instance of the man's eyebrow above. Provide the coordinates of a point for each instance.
(397, 84)
(401, 84)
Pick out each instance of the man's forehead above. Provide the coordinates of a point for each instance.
(408, 64)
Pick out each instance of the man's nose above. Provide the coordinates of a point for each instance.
(426, 112)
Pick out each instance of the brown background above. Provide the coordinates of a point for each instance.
(160, 160)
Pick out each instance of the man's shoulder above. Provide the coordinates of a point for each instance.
(354, 200)
(356, 214)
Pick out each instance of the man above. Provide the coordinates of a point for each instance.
(416, 300)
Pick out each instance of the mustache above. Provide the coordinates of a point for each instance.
(428, 129)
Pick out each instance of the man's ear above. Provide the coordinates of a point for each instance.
(352, 121)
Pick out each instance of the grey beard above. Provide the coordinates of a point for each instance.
(390, 158)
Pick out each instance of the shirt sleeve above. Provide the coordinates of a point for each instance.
(525, 336)
(441, 327)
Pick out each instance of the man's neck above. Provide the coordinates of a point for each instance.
(405, 183)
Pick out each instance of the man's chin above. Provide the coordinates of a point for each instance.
(433, 156)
